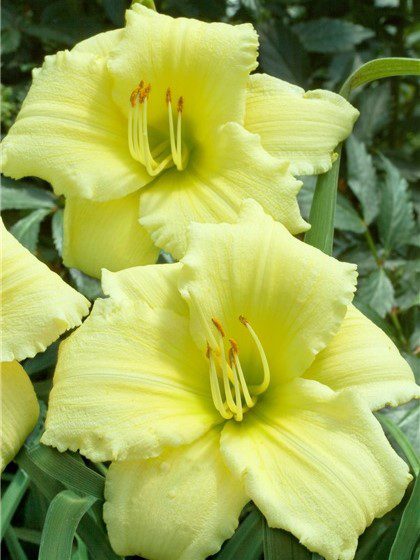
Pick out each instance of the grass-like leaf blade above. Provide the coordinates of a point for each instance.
(246, 543)
(12, 498)
(281, 545)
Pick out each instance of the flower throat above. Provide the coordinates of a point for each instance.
(167, 153)
(235, 397)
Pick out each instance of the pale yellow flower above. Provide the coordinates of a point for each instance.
(241, 373)
(36, 307)
(162, 121)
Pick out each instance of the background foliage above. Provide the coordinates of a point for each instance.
(312, 43)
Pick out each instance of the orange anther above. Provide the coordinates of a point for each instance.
(218, 326)
(234, 345)
(180, 105)
(243, 320)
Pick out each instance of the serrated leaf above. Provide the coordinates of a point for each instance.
(25, 198)
(282, 54)
(86, 285)
(362, 178)
(58, 230)
(346, 218)
(396, 219)
(27, 229)
(375, 112)
(328, 35)
(377, 291)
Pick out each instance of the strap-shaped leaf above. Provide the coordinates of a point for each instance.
(402, 442)
(281, 545)
(12, 498)
(63, 517)
(246, 543)
(409, 529)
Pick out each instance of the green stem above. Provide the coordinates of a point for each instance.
(372, 246)
(398, 328)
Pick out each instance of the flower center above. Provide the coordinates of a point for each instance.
(165, 154)
(235, 397)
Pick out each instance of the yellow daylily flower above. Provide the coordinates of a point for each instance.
(162, 121)
(218, 380)
(36, 307)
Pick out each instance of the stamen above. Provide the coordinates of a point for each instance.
(258, 389)
(180, 108)
(234, 360)
(171, 125)
(215, 388)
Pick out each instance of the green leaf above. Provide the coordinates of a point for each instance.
(362, 178)
(377, 291)
(26, 198)
(346, 218)
(282, 54)
(281, 545)
(409, 529)
(327, 35)
(246, 543)
(115, 9)
(10, 40)
(13, 545)
(321, 218)
(12, 498)
(402, 442)
(27, 229)
(396, 218)
(375, 112)
(42, 361)
(371, 314)
(63, 517)
(67, 470)
(58, 230)
(86, 285)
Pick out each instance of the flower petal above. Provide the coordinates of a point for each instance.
(37, 306)
(19, 409)
(317, 464)
(293, 295)
(100, 44)
(302, 128)
(105, 235)
(207, 64)
(130, 381)
(213, 186)
(363, 357)
(181, 505)
(70, 133)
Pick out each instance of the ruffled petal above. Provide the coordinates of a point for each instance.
(19, 410)
(100, 44)
(211, 189)
(206, 64)
(181, 505)
(130, 381)
(317, 464)
(363, 357)
(70, 133)
(302, 128)
(105, 235)
(293, 295)
(37, 305)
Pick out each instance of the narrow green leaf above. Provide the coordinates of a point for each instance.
(328, 35)
(13, 545)
(402, 442)
(42, 361)
(28, 535)
(26, 198)
(377, 291)
(409, 529)
(67, 470)
(380, 68)
(396, 216)
(375, 112)
(12, 498)
(281, 545)
(246, 543)
(346, 218)
(27, 229)
(63, 517)
(362, 178)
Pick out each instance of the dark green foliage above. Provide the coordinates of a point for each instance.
(310, 43)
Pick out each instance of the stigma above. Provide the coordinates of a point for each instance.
(168, 153)
(231, 394)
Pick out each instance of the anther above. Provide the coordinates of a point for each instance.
(180, 105)
(168, 96)
(218, 326)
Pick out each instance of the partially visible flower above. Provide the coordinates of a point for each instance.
(241, 373)
(36, 307)
(162, 121)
